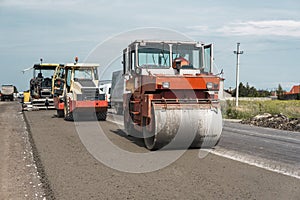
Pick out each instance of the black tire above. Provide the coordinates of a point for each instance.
(68, 116)
(60, 113)
(127, 125)
(101, 115)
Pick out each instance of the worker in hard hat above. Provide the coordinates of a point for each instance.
(179, 62)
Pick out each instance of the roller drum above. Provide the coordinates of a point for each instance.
(183, 126)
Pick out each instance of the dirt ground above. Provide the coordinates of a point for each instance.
(19, 177)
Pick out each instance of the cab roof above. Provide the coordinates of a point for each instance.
(46, 66)
(85, 65)
(167, 42)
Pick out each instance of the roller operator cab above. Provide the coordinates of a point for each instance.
(171, 94)
(76, 91)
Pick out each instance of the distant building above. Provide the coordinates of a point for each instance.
(295, 90)
(294, 93)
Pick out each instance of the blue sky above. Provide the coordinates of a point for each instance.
(269, 33)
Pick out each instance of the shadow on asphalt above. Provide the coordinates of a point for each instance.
(138, 141)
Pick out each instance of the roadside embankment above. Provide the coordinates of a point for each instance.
(277, 114)
(278, 121)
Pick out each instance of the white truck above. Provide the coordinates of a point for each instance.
(7, 92)
(105, 88)
(117, 91)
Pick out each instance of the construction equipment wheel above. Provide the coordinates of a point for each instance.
(67, 114)
(101, 115)
(60, 113)
(149, 132)
(182, 127)
(128, 125)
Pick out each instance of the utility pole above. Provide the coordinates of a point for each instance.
(237, 52)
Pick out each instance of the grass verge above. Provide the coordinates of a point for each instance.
(248, 109)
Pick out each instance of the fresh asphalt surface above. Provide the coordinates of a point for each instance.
(73, 173)
(284, 146)
(271, 149)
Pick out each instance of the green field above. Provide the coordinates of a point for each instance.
(248, 109)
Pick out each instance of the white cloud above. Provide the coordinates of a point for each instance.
(45, 5)
(263, 28)
(198, 28)
(36, 3)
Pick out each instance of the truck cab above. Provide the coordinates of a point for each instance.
(7, 92)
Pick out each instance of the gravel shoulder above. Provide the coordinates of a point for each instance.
(73, 173)
(19, 176)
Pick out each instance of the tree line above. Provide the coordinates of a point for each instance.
(250, 91)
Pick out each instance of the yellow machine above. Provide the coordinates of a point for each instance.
(41, 85)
